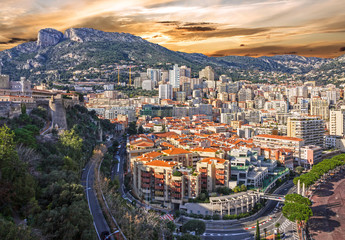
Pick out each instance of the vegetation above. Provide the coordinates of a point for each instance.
(299, 169)
(257, 231)
(320, 169)
(177, 174)
(202, 198)
(196, 226)
(297, 208)
(40, 178)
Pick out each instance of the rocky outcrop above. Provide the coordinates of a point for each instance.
(93, 35)
(48, 37)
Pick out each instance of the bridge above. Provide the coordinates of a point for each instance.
(274, 197)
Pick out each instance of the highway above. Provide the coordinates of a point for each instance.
(87, 181)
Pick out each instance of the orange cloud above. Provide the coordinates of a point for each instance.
(306, 27)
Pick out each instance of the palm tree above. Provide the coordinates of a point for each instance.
(265, 230)
(257, 234)
(277, 225)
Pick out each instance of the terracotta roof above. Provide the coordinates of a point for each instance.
(160, 163)
(200, 149)
(278, 137)
(209, 160)
(175, 151)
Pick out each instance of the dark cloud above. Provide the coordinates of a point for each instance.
(196, 29)
(342, 49)
(197, 23)
(242, 45)
(169, 23)
(19, 40)
(306, 50)
(200, 34)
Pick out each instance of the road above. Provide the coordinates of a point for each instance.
(245, 229)
(87, 181)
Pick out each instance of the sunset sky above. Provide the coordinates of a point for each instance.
(212, 27)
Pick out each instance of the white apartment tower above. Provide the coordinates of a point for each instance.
(165, 91)
(174, 76)
(337, 122)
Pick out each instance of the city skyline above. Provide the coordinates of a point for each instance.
(215, 28)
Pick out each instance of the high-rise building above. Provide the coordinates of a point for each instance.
(207, 73)
(165, 91)
(174, 76)
(185, 71)
(147, 85)
(319, 107)
(154, 75)
(245, 94)
(337, 122)
(310, 129)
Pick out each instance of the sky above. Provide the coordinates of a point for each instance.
(212, 27)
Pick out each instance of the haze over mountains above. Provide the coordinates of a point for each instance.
(80, 48)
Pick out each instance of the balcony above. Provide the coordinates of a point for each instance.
(176, 190)
(159, 182)
(157, 187)
(177, 184)
(203, 170)
(145, 180)
(159, 176)
(220, 177)
(203, 185)
(145, 185)
(176, 196)
(220, 182)
(145, 174)
(220, 171)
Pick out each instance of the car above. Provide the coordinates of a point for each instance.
(104, 235)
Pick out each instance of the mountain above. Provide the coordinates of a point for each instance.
(82, 48)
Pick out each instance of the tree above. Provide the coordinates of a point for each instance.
(257, 233)
(297, 212)
(23, 108)
(15, 178)
(196, 226)
(299, 169)
(71, 144)
(243, 188)
(132, 128)
(296, 198)
(140, 129)
(277, 225)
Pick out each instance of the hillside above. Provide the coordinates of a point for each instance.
(82, 48)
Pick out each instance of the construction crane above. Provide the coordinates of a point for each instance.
(130, 79)
(118, 74)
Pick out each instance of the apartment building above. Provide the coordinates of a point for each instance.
(151, 180)
(170, 184)
(337, 122)
(279, 142)
(215, 172)
(310, 129)
(310, 155)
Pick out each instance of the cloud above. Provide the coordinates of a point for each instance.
(208, 26)
(312, 50)
(18, 40)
